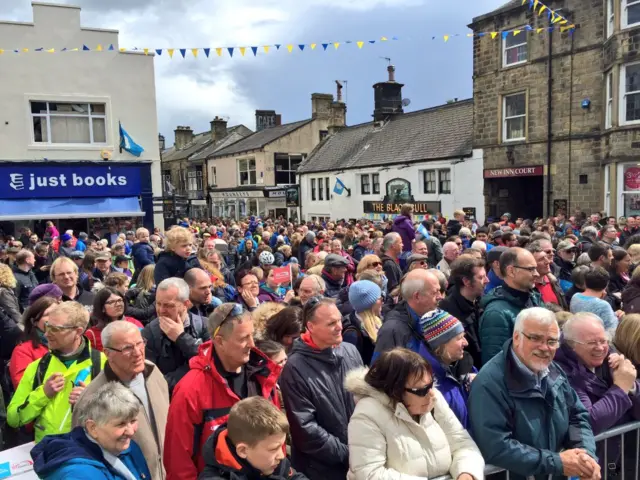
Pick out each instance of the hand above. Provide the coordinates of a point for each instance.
(619, 314)
(249, 299)
(574, 463)
(596, 467)
(617, 295)
(53, 385)
(290, 295)
(76, 392)
(615, 359)
(624, 376)
(170, 328)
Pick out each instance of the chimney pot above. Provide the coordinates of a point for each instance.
(392, 73)
(387, 97)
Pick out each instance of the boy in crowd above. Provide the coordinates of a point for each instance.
(250, 446)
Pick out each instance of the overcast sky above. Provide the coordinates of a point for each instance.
(193, 91)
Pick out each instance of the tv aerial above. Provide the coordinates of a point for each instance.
(387, 59)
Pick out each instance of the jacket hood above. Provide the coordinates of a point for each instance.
(401, 219)
(355, 383)
(331, 356)
(54, 451)
(631, 293)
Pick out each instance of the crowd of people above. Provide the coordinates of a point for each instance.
(391, 350)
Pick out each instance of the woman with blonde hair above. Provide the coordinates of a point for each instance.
(261, 316)
(142, 294)
(372, 262)
(221, 289)
(360, 327)
(627, 338)
(8, 300)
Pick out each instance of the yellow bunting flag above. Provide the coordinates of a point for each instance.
(99, 48)
(25, 50)
(266, 48)
(313, 46)
(539, 30)
(195, 52)
(146, 51)
(542, 9)
(446, 38)
(383, 39)
(469, 34)
(494, 35)
(170, 52)
(290, 48)
(219, 52)
(242, 50)
(336, 45)
(535, 4)
(77, 49)
(516, 32)
(51, 50)
(524, 1)
(563, 22)
(557, 19)
(122, 50)
(360, 44)
(1, 51)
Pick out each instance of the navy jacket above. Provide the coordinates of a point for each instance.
(399, 329)
(171, 265)
(142, 255)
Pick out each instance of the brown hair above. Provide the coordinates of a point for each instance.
(32, 316)
(406, 210)
(116, 279)
(627, 337)
(253, 419)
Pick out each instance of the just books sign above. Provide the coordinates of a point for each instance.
(419, 208)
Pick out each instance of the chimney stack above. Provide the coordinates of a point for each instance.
(392, 73)
(387, 97)
(338, 91)
(183, 137)
(161, 143)
(218, 129)
(266, 119)
(321, 105)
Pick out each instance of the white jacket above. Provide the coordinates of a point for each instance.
(387, 444)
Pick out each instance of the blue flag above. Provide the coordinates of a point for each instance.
(339, 187)
(127, 143)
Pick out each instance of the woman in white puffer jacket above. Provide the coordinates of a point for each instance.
(402, 427)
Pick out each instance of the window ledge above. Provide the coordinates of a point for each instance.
(68, 146)
(512, 65)
(515, 141)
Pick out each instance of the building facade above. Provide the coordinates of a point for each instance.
(258, 174)
(59, 142)
(423, 158)
(557, 113)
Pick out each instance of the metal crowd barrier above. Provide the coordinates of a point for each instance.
(615, 432)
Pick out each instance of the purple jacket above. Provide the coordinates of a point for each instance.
(404, 226)
(606, 403)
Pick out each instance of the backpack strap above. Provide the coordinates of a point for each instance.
(43, 365)
(96, 363)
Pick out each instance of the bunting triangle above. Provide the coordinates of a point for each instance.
(1, 51)
(535, 4)
(360, 44)
(254, 50)
(183, 52)
(313, 46)
(25, 50)
(85, 48)
(372, 41)
(558, 18)
(230, 50)
(524, 1)
(278, 46)
(383, 39)
(206, 51)
(266, 48)
(111, 47)
(159, 51)
(539, 30)
(39, 49)
(170, 52)
(146, 51)
(542, 9)
(122, 49)
(51, 50)
(325, 45)
(505, 34)
(194, 51)
(336, 45)
(242, 50)
(99, 48)
(301, 47)
(516, 32)
(446, 38)
(290, 48)
(494, 34)
(219, 52)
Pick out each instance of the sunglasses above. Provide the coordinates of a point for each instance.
(236, 311)
(376, 264)
(420, 392)
(57, 328)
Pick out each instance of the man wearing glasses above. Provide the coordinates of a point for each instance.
(525, 416)
(519, 271)
(125, 350)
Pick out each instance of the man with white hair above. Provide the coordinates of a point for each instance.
(479, 245)
(525, 416)
(174, 337)
(311, 286)
(451, 252)
(390, 256)
(126, 364)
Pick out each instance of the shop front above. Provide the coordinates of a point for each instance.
(283, 202)
(227, 203)
(517, 190)
(74, 195)
(629, 188)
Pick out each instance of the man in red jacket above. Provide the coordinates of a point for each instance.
(227, 369)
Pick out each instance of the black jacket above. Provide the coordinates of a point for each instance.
(358, 252)
(171, 265)
(631, 299)
(83, 297)
(453, 227)
(26, 282)
(173, 358)
(319, 408)
(392, 271)
(304, 248)
(356, 335)
(617, 284)
(42, 275)
(469, 314)
(222, 462)
(9, 303)
(333, 287)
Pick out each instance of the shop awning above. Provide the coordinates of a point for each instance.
(43, 209)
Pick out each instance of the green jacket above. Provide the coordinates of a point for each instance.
(51, 416)
(501, 307)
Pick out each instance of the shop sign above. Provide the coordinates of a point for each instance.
(63, 181)
(514, 172)
(293, 197)
(238, 194)
(470, 212)
(419, 208)
(276, 193)
(632, 178)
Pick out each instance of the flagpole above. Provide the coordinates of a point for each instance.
(120, 133)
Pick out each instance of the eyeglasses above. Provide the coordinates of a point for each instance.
(528, 269)
(551, 342)
(57, 328)
(128, 350)
(459, 244)
(593, 344)
(420, 392)
(250, 284)
(115, 302)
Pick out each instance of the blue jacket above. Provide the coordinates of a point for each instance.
(521, 427)
(400, 329)
(142, 255)
(494, 281)
(171, 265)
(81, 246)
(73, 456)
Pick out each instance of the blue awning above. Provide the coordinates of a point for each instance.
(42, 209)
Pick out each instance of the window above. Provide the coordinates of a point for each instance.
(375, 178)
(323, 134)
(285, 167)
(429, 181)
(326, 187)
(610, 17)
(320, 190)
(365, 186)
(514, 111)
(313, 189)
(69, 123)
(445, 181)
(609, 93)
(630, 99)
(214, 177)
(514, 49)
(193, 184)
(247, 171)
(630, 13)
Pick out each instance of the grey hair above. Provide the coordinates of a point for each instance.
(112, 401)
(542, 315)
(114, 327)
(410, 286)
(179, 284)
(320, 285)
(535, 247)
(388, 241)
(589, 231)
(572, 326)
(442, 278)
(480, 245)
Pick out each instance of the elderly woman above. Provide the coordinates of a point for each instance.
(102, 447)
(452, 366)
(360, 327)
(402, 426)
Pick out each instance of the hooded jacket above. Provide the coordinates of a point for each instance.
(519, 427)
(501, 307)
(26, 282)
(201, 403)
(171, 265)
(142, 255)
(453, 227)
(469, 315)
(385, 442)
(318, 407)
(73, 456)
(403, 226)
(222, 463)
(400, 329)
(494, 281)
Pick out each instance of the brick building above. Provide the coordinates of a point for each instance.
(558, 114)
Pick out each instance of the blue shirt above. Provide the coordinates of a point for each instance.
(583, 303)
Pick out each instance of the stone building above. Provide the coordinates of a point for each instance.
(558, 113)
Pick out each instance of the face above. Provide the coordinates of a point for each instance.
(265, 455)
(115, 436)
(65, 275)
(33, 239)
(144, 236)
(532, 344)
(200, 293)
(184, 249)
(606, 259)
(45, 317)
(624, 264)
(339, 272)
(397, 246)
(451, 253)
(214, 258)
(326, 326)
(250, 283)
(336, 247)
(524, 273)
(30, 261)
(592, 345)
(308, 289)
(421, 248)
(103, 265)
(236, 347)
(454, 348)
(567, 255)
(280, 358)
(631, 222)
(478, 282)
(428, 299)
(169, 305)
(458, 243)
(366, 242)
(60, 334)
(271, 283)
(482, 237)
(114, 307)
(543, 263)
(610, 234)
(126, 353)
(417, 405)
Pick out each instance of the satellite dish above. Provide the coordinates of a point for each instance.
(406, 102)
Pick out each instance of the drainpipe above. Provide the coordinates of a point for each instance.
(549, 120)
